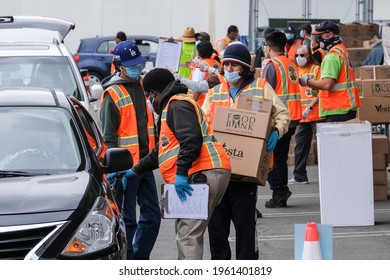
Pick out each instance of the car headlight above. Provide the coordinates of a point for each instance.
(95, 233)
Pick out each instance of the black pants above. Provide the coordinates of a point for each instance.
(303, 137)
(341, 118)
(278, 177)
(238, 205)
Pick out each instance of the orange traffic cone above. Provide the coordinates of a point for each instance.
(311, 246)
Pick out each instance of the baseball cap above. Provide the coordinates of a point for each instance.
(326, 26)
(205, 35)
(238, 53)
(128, 54)
(289, 29)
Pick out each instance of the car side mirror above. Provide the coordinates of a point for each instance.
(96, 92)
(117, 159)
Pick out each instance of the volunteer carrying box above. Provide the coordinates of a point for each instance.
(243, 133)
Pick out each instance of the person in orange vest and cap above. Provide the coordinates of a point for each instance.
(128, 123)
(339, 99)
(231, 36)
(187, 153)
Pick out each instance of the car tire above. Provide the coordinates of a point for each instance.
(95, 78)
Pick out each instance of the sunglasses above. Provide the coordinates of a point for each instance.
(300, 54)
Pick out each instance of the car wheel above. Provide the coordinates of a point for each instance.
(94, 78)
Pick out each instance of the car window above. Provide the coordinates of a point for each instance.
(45, 72)
(38, 139)
(91, 130)
(147, 47)
(106, 47)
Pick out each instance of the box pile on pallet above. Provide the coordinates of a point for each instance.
(380, 153)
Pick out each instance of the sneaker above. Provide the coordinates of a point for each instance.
(258, 213)
(292, 181)
(280, 202)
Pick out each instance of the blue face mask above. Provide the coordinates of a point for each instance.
(135, 71)
(301, 34)
(290, 36)
(232, 77)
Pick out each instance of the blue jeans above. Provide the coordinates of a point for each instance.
(141, 236)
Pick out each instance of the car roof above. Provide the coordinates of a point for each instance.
(33, 29)
(33, 97)
(129, 37)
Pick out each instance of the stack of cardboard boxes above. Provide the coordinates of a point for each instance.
(243, 132)
(312, 158)
(358, 39)
(380, 153)
(373, 83)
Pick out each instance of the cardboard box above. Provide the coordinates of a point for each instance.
(379, 161)
(242, 122)
(380, 144)
(352, 43)
(366, 72)
(380, 192)
(377, 72)
(373, 88)
(357, 55)
(380, 177)
(374, 109)
(247, 102)
(248, 157)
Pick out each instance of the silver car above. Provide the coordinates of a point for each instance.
(33, 54)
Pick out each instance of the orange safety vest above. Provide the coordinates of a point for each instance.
(226, 41)
(313, 72)
(344, 94)
(128, 130)
(212, 154)
(211, 63)
(293, 50)
(219, 96)
(321, 51)
(287, 86)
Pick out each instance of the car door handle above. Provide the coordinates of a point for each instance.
(101, 58)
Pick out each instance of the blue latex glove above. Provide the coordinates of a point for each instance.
(182, 186)
(113, 176)
(272, 139)
(303, 81)
(127, 174)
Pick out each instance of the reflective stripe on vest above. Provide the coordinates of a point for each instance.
(287, 89)
(128, 129)
(343, 94)
(212, 154)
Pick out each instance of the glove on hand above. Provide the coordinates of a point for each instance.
(303, 81)
(113, 176)
(182, 186)
(306, 113)
(127, 174)
(202, 65)
(272, 139)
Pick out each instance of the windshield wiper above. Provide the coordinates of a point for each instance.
(15, 173)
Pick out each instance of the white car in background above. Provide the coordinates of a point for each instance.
(33, 54)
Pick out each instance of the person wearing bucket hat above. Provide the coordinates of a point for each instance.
(188, 51)
(127, 122)
(238, 204)
(338, 98)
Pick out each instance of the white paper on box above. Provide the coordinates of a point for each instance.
(195, 207)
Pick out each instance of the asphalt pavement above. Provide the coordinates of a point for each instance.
(276, 228)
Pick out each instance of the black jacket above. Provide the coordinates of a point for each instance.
(183, 121)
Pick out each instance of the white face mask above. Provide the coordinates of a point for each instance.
(301, 61)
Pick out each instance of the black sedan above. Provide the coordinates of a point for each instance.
(55, 202)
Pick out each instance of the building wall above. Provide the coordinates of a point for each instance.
(169, 17)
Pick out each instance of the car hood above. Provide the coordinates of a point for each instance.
(40, 194)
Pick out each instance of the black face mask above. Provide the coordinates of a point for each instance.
(327, 43)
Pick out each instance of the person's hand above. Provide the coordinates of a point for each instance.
(303, 81)
(113, 176)
(202, 65)
(182, 186)
(272, 139)
(306, 112)
(189, 64)
(127, 174)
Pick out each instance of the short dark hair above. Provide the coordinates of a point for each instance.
(121, 36)
(205, 49)
(276, 40)
(157, 79)
(232, 28)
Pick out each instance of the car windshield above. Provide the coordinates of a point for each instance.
(44, 72)
(38, 140)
